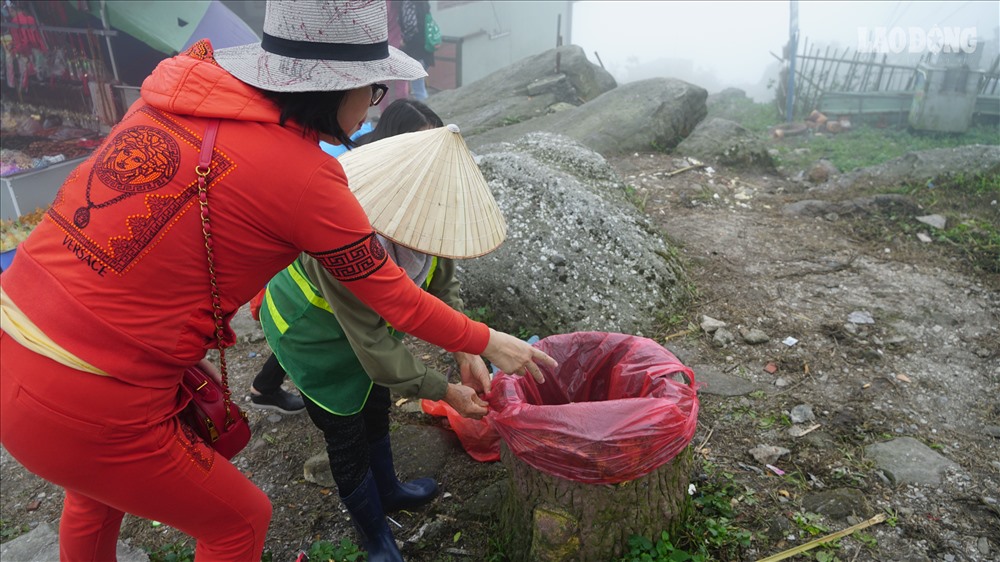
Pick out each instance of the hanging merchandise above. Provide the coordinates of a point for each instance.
(24, 33)
(8, 65)
(172, 27)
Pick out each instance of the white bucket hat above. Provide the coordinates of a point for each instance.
(424, 191)
(311, 45)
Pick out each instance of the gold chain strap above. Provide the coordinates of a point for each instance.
(202, 170)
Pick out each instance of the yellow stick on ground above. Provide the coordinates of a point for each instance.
(682, 170)
(832, 537)
(676, 335)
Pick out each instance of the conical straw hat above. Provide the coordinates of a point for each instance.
(424, 191)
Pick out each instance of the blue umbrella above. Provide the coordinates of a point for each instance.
(148, 32)
(222, 27)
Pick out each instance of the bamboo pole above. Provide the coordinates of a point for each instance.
(888, 81)
(818, 78)
(824, 68)
(911, 83)
(991, 77)
(850, 72)
(682, 170)
(811, 73)
(868, 69)
(823, 540)
(843, 57)
(804, 89)
(779, 89)
(798, 82)
(827, 74)
(835, 70)
(867, 64)
(881, 70)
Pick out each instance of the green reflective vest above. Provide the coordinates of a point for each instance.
(303, 332)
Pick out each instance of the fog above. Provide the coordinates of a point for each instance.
(721, 44)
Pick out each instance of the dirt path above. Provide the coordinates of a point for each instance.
(927, 367)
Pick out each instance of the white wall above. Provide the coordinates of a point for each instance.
(498, 34)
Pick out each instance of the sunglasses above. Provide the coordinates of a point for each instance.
(378, 92)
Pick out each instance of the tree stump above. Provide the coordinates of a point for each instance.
(548, 519)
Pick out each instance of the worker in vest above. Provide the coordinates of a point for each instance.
(343, 357)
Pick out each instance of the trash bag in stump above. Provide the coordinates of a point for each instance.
(595, 452)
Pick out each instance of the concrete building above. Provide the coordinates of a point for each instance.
(479, 37)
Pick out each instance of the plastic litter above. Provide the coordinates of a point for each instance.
(617, 408)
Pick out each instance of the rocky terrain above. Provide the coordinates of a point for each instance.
(861, 363)
(844, 328)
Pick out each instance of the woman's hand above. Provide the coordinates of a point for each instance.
(473, 370)
(465, 401)
(514, 356)
(464, 398)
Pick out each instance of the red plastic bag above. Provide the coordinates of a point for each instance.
(613, 411)
(481, 441)
(256, 302)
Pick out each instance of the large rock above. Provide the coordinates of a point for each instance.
(524, 90)
(42, 545)
(722, 103)
(908, 461)
(837, 503)
(578, 255)
(654, 114)
(881, 203)
(721, 141)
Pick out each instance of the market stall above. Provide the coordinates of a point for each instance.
(56, 96)
(71, 69)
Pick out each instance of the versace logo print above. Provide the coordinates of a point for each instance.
(133, 181)
(137, 160)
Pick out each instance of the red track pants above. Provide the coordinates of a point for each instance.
(119, 448)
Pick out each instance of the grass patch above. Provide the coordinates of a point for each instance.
(971, 205)
(174, 552)
(859, 147)
(632, 195)
(9, 531)
(866, 146)
(754, 117)
(979, 241)
(344, 551)
(711, 532)
(480, 314)
(862, 146)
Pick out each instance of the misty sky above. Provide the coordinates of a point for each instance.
(731, 41)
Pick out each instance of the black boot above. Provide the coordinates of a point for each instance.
(397, 495)
(366, 512)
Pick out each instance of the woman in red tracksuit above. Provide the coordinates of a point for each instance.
(108, 301)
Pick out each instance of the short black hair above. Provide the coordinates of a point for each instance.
(315, 112)
(402, 116)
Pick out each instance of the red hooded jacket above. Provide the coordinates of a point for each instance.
(117, 274)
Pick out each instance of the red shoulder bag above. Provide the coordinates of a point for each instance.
(211, 413)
